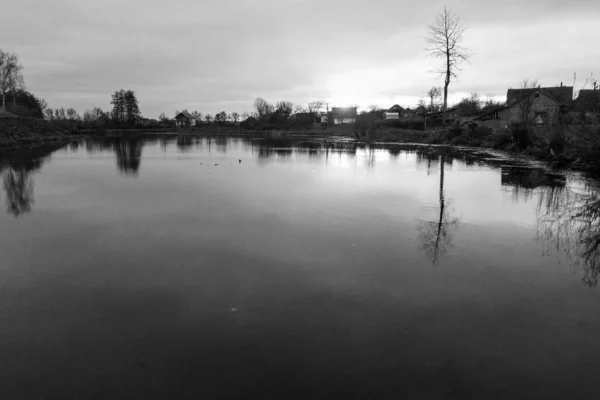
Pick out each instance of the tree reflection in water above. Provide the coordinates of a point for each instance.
(570, 222)
(18, 185)
(17, 178)
(129, 154)
(436, 235)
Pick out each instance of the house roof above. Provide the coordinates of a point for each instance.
(588, 100)
(344, 111)
(396, 108)
(185, 114)
(437, 113)
(562, 94)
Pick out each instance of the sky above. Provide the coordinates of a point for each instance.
(213, 56)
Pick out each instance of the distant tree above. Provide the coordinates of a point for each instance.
(433, 94)
(374, 108)
(196, 115)
(245, 115)
(97, 114)
(49, 114)
(315, 106)
(72, 114)
(235, 117)
(470, 105)
(207, 118)
(118, 102)
(445, 41)
(132, 110)
(163, 119)
(221, 118)
(263, 108)
(60, 113)
(299, 109)
(42, 104)
(284, 109)
(87, 116)
(422, 104)
(525, 104)
(11, 77)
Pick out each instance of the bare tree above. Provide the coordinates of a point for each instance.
(525, 104)
(235, 116)
(49, 114)
(72, 114)
(10, 75)
(207, 118)
(299, 109)
(245, 115)
(444, 40)
(433, 94)
(97, 113)
(263, 108)
(315, 106)
(374, 108)
(284, 108)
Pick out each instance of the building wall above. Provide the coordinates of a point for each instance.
(541, 104)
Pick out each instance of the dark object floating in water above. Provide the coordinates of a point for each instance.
(216, 164)
(240, 160)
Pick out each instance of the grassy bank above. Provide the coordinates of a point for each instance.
(20, 132)
(575, 147)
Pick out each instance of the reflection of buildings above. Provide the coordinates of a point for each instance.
(521, 181)
(530, 178)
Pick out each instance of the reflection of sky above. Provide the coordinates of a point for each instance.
(321, 263)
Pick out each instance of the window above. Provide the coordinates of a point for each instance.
(537, 95)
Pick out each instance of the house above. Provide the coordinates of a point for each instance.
(540, 105)
(588, 101)
(396, 109)
(184, 118)
(343, 115)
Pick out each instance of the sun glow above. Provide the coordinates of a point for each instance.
(375, 86)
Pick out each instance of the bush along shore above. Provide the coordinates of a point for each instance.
(20, 132)
(564, 146)
(574, 147)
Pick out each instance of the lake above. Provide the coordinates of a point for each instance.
(187, 267)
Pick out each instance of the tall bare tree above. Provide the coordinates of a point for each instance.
(445, 41)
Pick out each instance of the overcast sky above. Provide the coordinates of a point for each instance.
(213, 55)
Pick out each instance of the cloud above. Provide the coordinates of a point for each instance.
(215, 55)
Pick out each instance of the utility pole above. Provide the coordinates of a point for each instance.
(327, 105)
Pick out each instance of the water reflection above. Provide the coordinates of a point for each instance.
(17, 178)
(569, 222)
(521, 181)
(436, 235)
(129, 154)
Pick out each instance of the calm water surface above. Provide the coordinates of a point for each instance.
(196, 268)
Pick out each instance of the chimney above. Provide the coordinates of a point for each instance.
(561, 84)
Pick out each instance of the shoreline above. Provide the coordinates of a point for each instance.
(34, 133)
